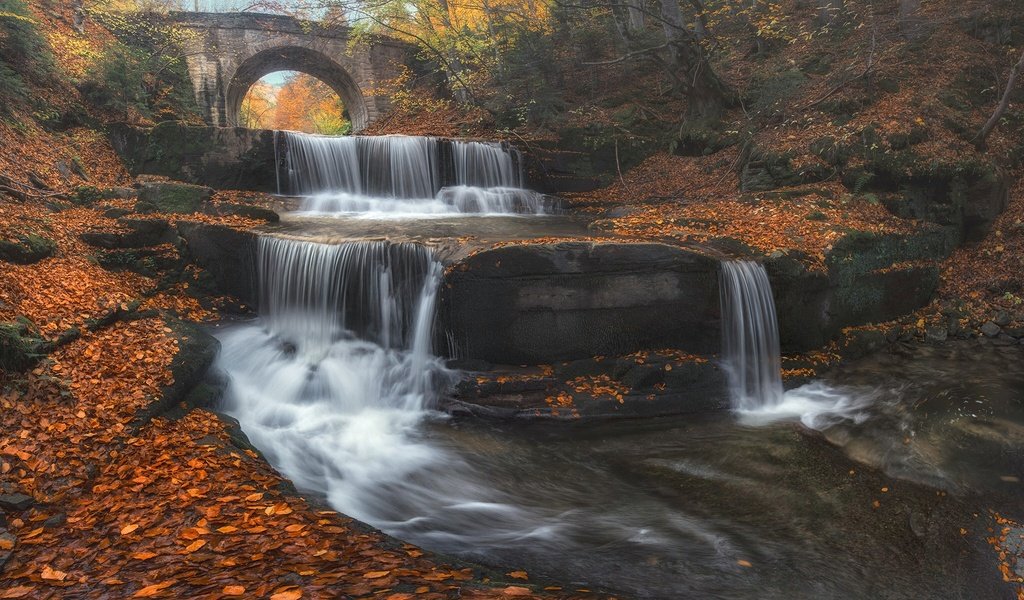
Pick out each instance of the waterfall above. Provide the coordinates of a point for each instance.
(404, 175)
(750, 337)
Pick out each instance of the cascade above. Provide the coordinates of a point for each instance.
(404, 174)
(750, 336)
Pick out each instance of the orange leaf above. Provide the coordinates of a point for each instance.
(254, 497)
(52, 574)
(227, 529)
(153, 590)
(145, 555)
(518, 575)
(376, 574)
(17, 592)
(233, 590)
(129, 528)
(515, 590)
(195, 546)
(292, 594)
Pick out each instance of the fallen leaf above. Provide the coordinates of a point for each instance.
(51, 574)
(233, 590)
(129, 528)
(292, 594)
(376, 574)
(518, 575)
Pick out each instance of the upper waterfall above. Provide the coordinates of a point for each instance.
(371, 175)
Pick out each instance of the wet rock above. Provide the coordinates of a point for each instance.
(27, 249)
(1004, 340)
(936, 334)
(227, 254)
(172, 197)
(1017, 332)
(16, 502)
(543, 303)
(990, 329)
(1002, 318)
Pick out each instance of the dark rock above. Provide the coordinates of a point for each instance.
(197, 350)
(1017, 332)
(7, 543)
(220, 157)
(543, 303)
(935, 334)
(990, 329)
(861, 342)
(136, 233)
(227, 254)
(1004, 340)
(55, 521)
(20, 347)
(27, 249)
(172, 197)
(16, 502)
(116, 213)
(1002, 318)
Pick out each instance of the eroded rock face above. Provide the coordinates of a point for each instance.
(227, 255)
(219, 157)
(546, 302)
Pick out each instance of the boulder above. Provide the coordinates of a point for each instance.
(16, 502)
(27, 249)
(172, 197)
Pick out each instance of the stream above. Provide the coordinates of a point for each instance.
(856, 485)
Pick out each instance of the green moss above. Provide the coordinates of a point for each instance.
(179, 198)
(27, 249)
(20, 347)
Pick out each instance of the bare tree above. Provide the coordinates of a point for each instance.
(1004, 103)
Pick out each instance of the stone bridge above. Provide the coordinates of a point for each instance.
(229, 52)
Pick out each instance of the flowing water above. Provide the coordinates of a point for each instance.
(833, 490)
(375, 176)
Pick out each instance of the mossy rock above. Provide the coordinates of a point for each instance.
(172, 197)
(27, 249)
(20, 346)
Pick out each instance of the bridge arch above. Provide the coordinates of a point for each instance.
(229, 52)
(301, 59)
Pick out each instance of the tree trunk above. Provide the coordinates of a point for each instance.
(1004, 103)
(707, 95)
(910, 19)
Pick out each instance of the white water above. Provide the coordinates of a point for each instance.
(752, 360)
(338, 372)
(400, 176)
(750, 337)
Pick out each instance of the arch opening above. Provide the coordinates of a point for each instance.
(301, 60)
(294, 101)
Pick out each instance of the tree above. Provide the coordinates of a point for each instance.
(1004, 103)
